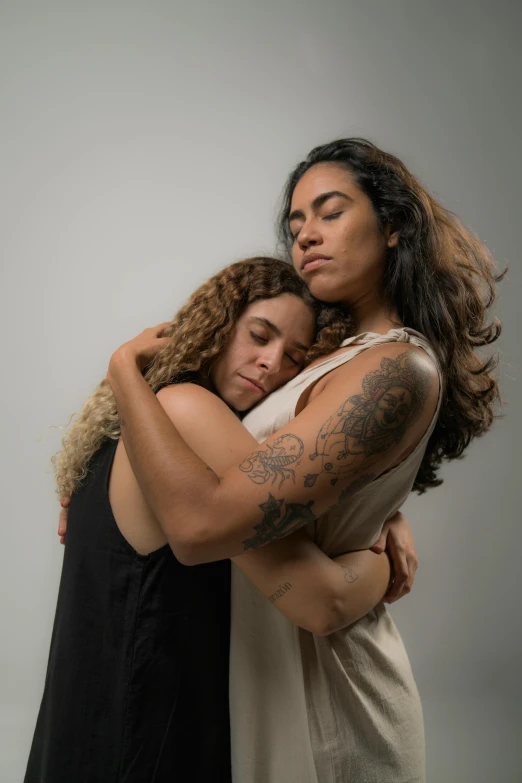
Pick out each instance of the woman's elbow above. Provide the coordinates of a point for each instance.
(328, 620)
(186, 555)
(190, 547)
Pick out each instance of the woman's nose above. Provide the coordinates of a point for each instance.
(308, 235)
(270, 360)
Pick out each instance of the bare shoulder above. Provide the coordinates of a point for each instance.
(384, 399)
(383, 365)
(190, 400)
(187, 393)
(207, 424)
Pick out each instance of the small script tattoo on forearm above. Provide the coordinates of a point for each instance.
(281, 590)
(279, 519)
(274, 461)
(349, 574)
(367, 424)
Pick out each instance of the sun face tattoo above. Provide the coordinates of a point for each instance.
(369, 423)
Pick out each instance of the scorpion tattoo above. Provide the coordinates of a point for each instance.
(274, 461)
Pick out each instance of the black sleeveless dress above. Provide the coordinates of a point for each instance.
(137, 681)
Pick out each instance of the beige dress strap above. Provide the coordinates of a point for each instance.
(358, 344)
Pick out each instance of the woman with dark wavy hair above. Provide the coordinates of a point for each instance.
(373, 420)
(137, 680)
(438, 277)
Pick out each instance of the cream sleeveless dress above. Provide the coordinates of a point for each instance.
(342, 708)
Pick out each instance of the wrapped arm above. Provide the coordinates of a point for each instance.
(365, 419)
(313, 591)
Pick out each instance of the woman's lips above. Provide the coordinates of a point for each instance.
(251, 385)
(313, 262)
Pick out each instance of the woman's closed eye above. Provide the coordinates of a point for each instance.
(263, 341)
(294, 361)
(331, 216)
(258, 338)
(294, 230)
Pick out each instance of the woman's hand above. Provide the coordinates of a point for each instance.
(397, 539)
(139, 351)
(62, 519)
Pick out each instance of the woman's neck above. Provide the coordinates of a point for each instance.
(374, 315)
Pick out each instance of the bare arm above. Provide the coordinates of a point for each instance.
(310, 589)
(367, 416)
(318, 594)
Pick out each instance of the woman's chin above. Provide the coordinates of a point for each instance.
(326, 290)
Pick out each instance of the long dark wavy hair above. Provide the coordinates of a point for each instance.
(440, 278)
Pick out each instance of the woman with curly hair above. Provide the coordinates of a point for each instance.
(373, 421)
(137, 680)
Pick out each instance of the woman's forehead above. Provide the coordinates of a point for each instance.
(286, 314)
(281, 305)
(324, 178)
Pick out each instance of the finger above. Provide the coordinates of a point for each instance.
(400, 581)
(380, 544)
(62, 540)
(391, 596)
(387, 596)
(64, 502)
(154, 344)
(394, 593)
(161, 342)
(398, 589)
(160, 328)
(62, 522)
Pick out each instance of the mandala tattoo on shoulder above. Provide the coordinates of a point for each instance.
(369, 423)
(279, 519)
(274, 461)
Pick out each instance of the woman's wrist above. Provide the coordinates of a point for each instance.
(122, 361)
(132, 356)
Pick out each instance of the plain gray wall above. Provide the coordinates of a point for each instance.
(144, 145)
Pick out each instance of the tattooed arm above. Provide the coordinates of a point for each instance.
(311, 590)
(369, 415)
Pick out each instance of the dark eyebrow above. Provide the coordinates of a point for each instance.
(318, 202)
(277, 331)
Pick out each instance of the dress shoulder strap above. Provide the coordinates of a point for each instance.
(359, 343)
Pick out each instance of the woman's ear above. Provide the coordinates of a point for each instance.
(392, 237)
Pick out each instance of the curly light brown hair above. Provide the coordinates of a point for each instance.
(199, 332)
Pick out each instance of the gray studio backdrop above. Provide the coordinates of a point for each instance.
(144, 145)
